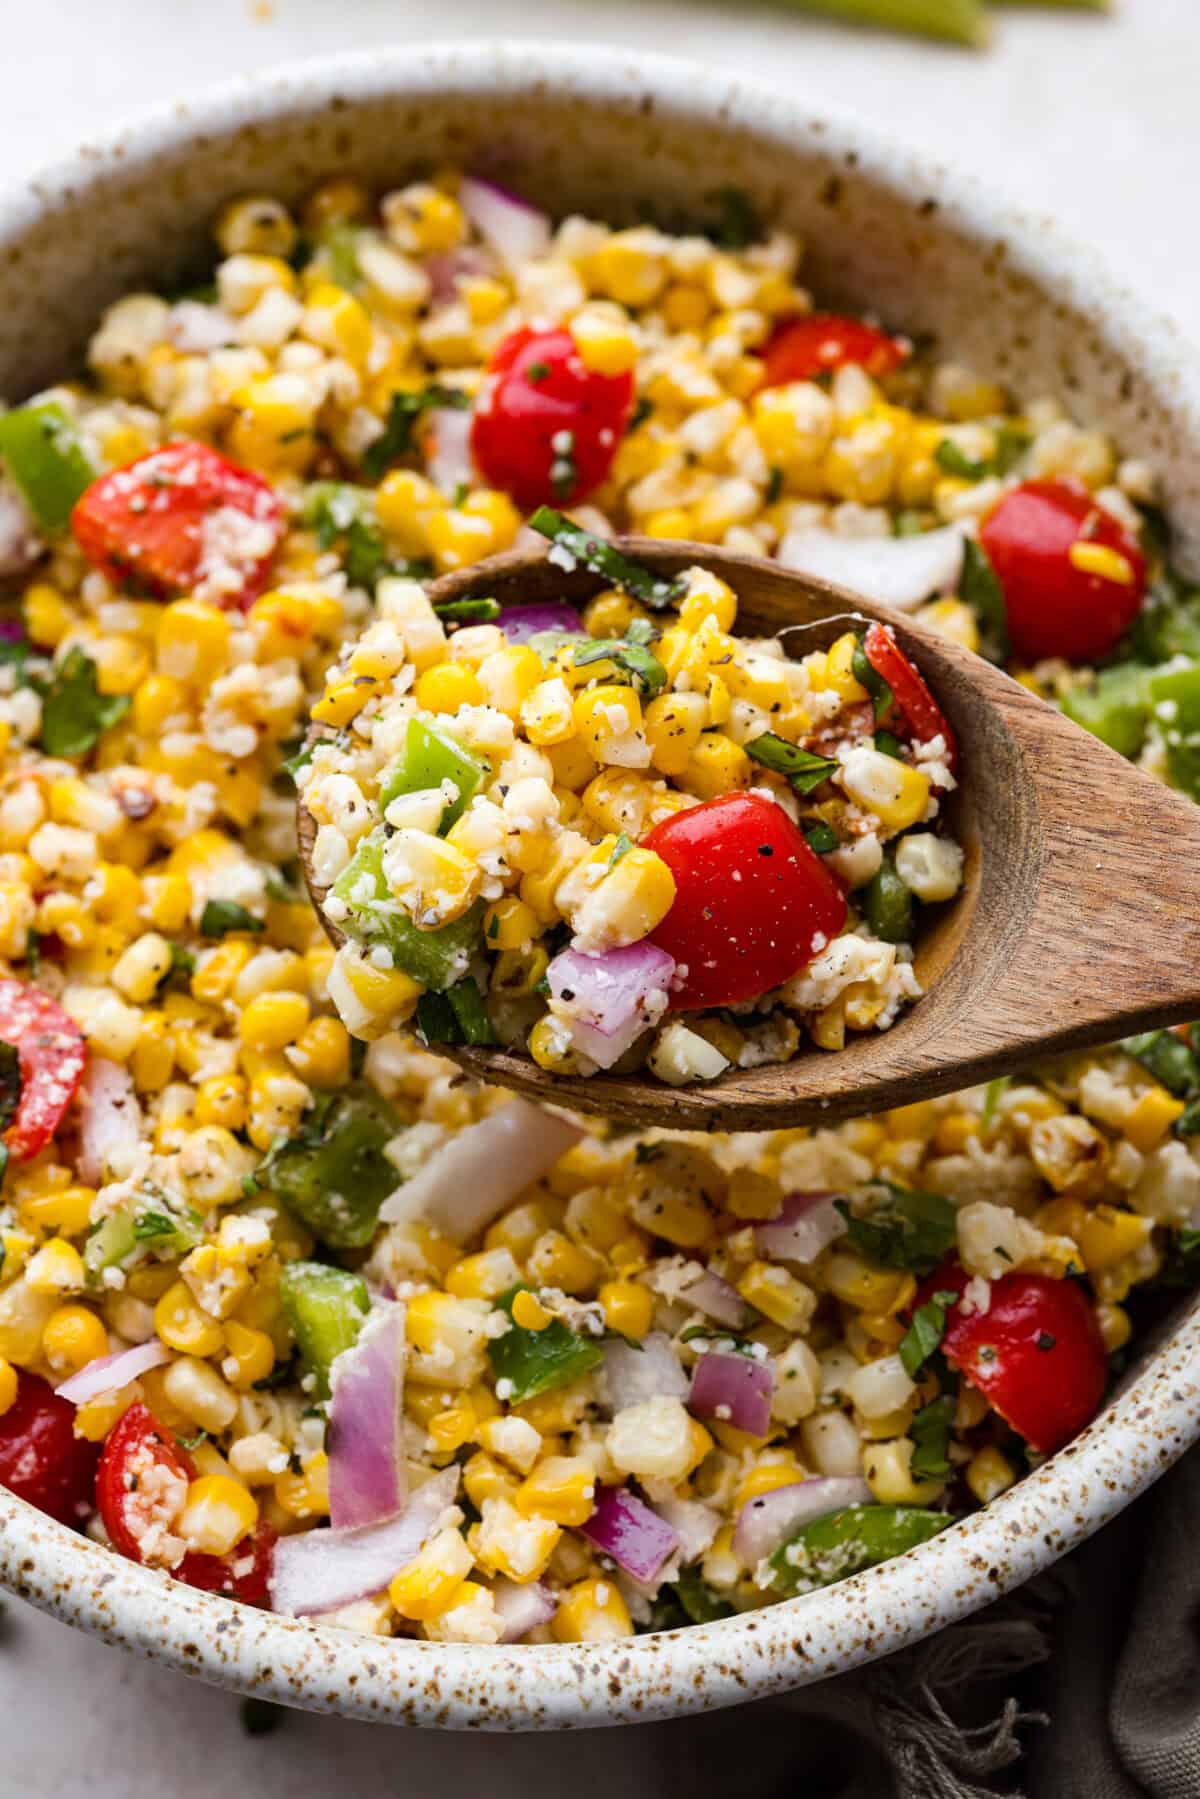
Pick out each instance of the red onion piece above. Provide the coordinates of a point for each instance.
(652, 1371)
(737, 1389)
(365, 1436)
(318, 1570)
(717, 1299)
(766, 1522)
(624, 1527)
(520, 623)
(446, 266)
(895, 571)
(807, 1224)
(694, 1524)
(522, 1608)
(608, 1001)
(469, 1181)
(110, 1121)
(516, 231)
(109, 1373)
(446, 443)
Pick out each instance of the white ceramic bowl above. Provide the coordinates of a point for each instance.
(887, 232)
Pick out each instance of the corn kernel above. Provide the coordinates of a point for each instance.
(432, 1581)
(778, 1294)
(483, 1276)
(273, 1020)
(561, 1488)
(448, 686)
(55, 1268)
(183, 1325)
(592, 1611)
(305, 1495)
(1151, 1118)
(217, 1514)
(989, 1473)
(628, 1308)
(8, 1385)
(73, 1337)
(1099, 559)
(65, 1209)
(716, 766)
(249, 1356)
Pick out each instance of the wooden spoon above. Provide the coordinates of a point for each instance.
(1078, 921)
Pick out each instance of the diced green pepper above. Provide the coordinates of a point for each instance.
(43, 454)
(533, 1362)
(325, 1308)
(1168, 624)
(1116, 709)
(698, 1600)
(146, 1225)
(846, 1542)
(333, 1175)
(1168, 1058)
(435, 958)
(428, 758)
(888, 904)
(1175, 699)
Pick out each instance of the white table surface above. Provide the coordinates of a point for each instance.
(1092, 119)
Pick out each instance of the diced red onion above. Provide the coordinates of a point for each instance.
(652, 1371)
(694, 1524)
(766, 1522)
(516, 231)
(624, 1527)
(520, 623)
(110, 1121)
(365, 1436)
(109, 1373)
(717, 1299)
(807, 1224)
(193, 326)
(469, 1181)
(522, 1608)
(607, 1001)
(445, 268)
(318, 1570)
(20, 545)
(737, 1389)
(895, 571)
(446, 442)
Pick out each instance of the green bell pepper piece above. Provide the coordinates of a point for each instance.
(1168, 1058)
(1116, 709)
(536, 1361)
(456, 1016)
(333, 1174)
(438, 959)
(888, 905)
(43, 454)
(1178, 690)
(430, 757)
(325, 1308)
(846, 1542)
(144, 1226)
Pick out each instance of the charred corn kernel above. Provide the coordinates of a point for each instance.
(405, 503)
(215, 974)
(193, 642)
(1116, 1327)
(561, 1488)
(897, 794)
(217, 1514)
(184, 1326)
(73, 1336)
(674, 723)
(592, 1611)
(306, 1494)
(484, 1479)
(55, 1268)
(605, 340)
(8, 1385)
(989, 1473)
(1152, 1118)
(432, 1581)
(547, 714)
(554, 1261)
(249, 1355)
(1092, 558)
(628, 1308)
(680, 1216)
(448, 686)
(528, 1311)
(887, 1469)
(48, 617)
(717, 765)
(482, 1276)
(509, 924)
(65, 1209)
(778, 1295)
(273, 1020)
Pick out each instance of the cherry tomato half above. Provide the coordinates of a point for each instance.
(1038, 539)
(142, 1480)
(1036, 1353)
(245, 1573)
(182, 518)
(52, 1055)
(546, 427)
(753, 904)
(41, 1458)
(802, 349)
(922, 714)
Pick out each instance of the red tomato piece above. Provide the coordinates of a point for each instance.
(41, 1458)
(1036, 1353)
(245, 1573)
(802, 349)
(142, 1480)
(546, 427)
(181, 520)
(52, 1057)
(753, 904)
(922, 714)
(1057, 606)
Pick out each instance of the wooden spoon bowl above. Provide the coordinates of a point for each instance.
(1078, 920)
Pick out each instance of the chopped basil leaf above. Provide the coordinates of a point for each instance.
(406, 408)
(737, 225)
(641, 412)
(909, 1229)
(774, 486)
(148, 1226)
(1168, 1058)
(435, 1020)
(468, 612)
(621, 847)
(645, 671)
(604, 559)
(10, 1084)
(930, 1432)
(1182, 1266)
(926, 1331)
(887, 745)
(1011, 445)
(75, 714)
(882, 697)
(954, 461)
(532, 1362)
(729, 1340)
(979, 588)
(803, 769)
(698, 1600)
(821, 837)
(1188, 1122)
(220, 916)
(537, 371)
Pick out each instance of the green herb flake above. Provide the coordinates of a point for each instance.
(604, 559)
(468, 612)
(803, 769)
(75, 714)
(621, 848)
(926, 1331)
(1168, 1058)
(955, 461)
(930, 1432)
(405, 411)
(882, 698)
(645, 671)
(737, 225)
(979, 588)
(219, 917)
(993, 1094)
(909, 1229)
(537, 371)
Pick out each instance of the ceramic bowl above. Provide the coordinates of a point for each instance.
(887, 231)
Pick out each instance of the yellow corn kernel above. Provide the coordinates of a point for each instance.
(554, 1261)
(509, 924)
(669, 522)
(778, 1295)
(55, 1268)
(753, 1196)
(484, 299)
(839, 673)
(550, 1047)
(218, 1512)
(338, 201)
(305, 1495)
(1116, 1326)
(448, 686)
(989, 1473)
(605, 341)
(273, 1020)
(153, 1059)
(607, 717)
(854, 1281)
(168, 901)
(387, 992)
(65, 1209)
(897, 794)
(344, 699)
(456, 538)
(1092, 558)
(321, 1054)
(766, 1477)
(629, 269)
(48, 617)
(215, 974)
(115, 896)
(222, 1101)
(96, 1417)
(273, 430)
(184, 1326)
(193, 642)
(674, 723)
(482, 1276)
(528, 1311)
(405, 503)
(717, 765)
(73, 1337)
(887, 1469)
(1151, 1118)
(519, 1229)
(450, 1428)
(122, 664)
(484, 1478)
(592, 1611)
(552, 1413)
(432, 1581)
(249, 1356)
(954, 1132)
(561, 1488)
(952, 619)
(547, 716)
(1107, 1236)
(628, 1308)
(338, 322)
(8, 1385)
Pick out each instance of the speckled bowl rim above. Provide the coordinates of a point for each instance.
(1145, 1428)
